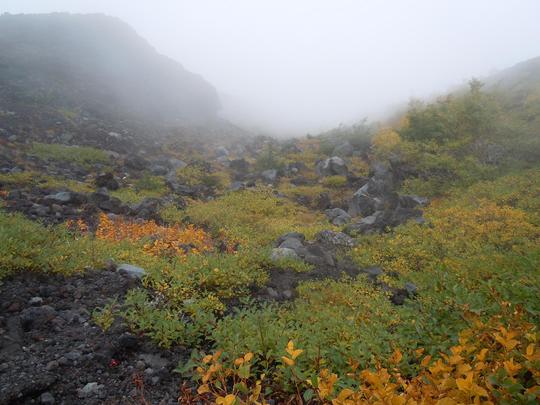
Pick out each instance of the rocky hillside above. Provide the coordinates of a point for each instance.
(370, 264)
(97, 65)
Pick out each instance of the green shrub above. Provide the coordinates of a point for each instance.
(104, 317)
(83, 155)
(149, 182)
(171, 214)
(29, 246)
(147, 186)
(255, 217)
(334, 181)
(30, 178)
(269, 159)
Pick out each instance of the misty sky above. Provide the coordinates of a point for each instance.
(306, 65)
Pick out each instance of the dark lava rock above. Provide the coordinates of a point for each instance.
(147, 208)
(34, 317)
(46, 359)
(108, 181)
(136, 162)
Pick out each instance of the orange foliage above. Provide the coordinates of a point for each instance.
(160, 240)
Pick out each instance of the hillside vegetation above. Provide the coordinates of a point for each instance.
(370, 264)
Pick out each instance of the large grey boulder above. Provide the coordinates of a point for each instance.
(291, 243)
(377, 194)
(362, 202)
(332, 167)
(282, 254)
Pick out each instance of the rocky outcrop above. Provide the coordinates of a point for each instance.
(381, 206)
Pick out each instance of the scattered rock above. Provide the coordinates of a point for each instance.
(411, 289)
(239, 165)
(108, 181)
(35, 301)
(158, 169)
(269, 175)
(291, 235)
(147, 208)
(237, 185)
(127, 341)
(131, 270)
(177, 164)
(136, 162)
(90, 389)
(222, 151)
(155, 361)
(46, 398)
(338, 216)
(332, 238)
(33, 317)
(65, 197)
(316, 255)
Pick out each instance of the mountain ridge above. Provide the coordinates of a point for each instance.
(98, 63)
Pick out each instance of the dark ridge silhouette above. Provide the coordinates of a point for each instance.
(98, 64)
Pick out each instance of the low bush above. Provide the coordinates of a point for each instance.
(29, 178)
(334, 181)
(82, 155)
(254, 217)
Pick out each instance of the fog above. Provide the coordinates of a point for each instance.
(291, 67)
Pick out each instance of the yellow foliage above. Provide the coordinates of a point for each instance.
(475, 371)
(386, 141)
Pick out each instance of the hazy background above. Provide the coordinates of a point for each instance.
(291, 67)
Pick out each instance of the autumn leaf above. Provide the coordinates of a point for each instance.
(227, 400)
(292, 352)
(467, 385)
(287, 361)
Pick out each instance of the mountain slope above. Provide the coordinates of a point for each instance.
(97, 64)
